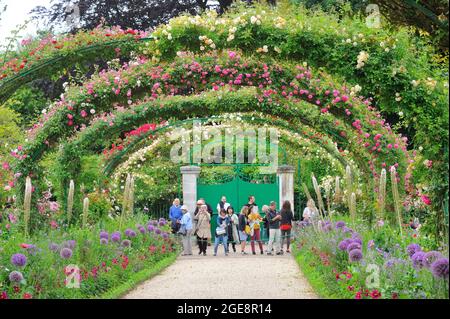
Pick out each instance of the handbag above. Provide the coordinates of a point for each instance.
(248, 229)
(220, 231)
(285, 227)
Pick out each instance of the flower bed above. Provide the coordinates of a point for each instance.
(344, 262)
(83, 263)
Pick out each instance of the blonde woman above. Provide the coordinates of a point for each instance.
(255, 219)
(202, 230)
(310, 213)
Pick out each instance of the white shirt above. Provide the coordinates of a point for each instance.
(225, 206)
(309, 213)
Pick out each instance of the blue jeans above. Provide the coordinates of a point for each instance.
(221, 239)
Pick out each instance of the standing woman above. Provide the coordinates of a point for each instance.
(310, 213)
(255, 219)
(186, 231)
(222, 232)
(233, 235)
(243, 223)
(203, 231)
(287, 216)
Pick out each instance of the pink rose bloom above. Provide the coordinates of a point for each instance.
(5, 166)
(232, 54)
(53, 206)
(426, 200)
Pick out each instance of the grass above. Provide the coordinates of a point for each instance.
(313, 275)
(139, 277)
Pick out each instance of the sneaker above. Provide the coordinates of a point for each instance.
(253, 253)
(288, 251)
(243, 253)
(269, 253)
(204, 254)
(199, 252)
(279, 253)
(262, 253)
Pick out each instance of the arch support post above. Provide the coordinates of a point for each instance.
(189, 183)
(285, 175)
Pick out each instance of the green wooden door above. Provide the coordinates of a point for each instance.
(237, 191)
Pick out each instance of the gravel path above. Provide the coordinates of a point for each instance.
(237, 276)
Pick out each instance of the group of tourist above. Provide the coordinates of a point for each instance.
(237, 228)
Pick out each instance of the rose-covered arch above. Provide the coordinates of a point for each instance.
(280, 88)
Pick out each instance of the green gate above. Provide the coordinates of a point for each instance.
(237, 188)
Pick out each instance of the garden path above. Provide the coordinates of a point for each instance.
(248, 276)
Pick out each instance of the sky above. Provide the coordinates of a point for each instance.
(16, 14)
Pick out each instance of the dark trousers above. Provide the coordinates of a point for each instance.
(233, 244)
(202, 244)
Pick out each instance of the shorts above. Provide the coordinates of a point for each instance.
(242, 235)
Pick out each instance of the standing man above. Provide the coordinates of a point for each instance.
(223, 205)
(252, 206)
(274, 219)
(175, 215)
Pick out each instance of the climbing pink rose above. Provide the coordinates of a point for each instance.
(426, 200)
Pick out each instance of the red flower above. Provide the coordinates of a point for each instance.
(3, 295)
(375, 294)
(27, 296)
(394, 295)
(350, 288)
(114, 261)
(23, 245)
(16, 289)
(358, 295)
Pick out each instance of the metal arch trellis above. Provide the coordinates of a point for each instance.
(7, 87)
(114, 162)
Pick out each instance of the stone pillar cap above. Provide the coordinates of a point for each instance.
(190, 169)
(285, 169)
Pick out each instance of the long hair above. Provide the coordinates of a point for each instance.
(244, 210)
(286, 206)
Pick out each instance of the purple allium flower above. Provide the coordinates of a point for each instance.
(115, 237)
(158, 231)
(344, 244)
(130, 233)
(417, 259)
(340, 224)
(371, 244)
(150, 228)
(347, 230)
(161, 224)
(53, 247)
(126, 243)
(70, 244)
(439, 268)
(353, 245)
(165, 235)
(66, 253)
(162, 220)
(430, 257)
(103, 241)
(355, 255)
(394, 261)
(15, 276)
(412, 249)
(32, 250)
(104, 234)
(19, 260)
(357, 238)
(142, 229)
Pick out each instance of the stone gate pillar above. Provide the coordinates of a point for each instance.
(285, 174)
(189, 184)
